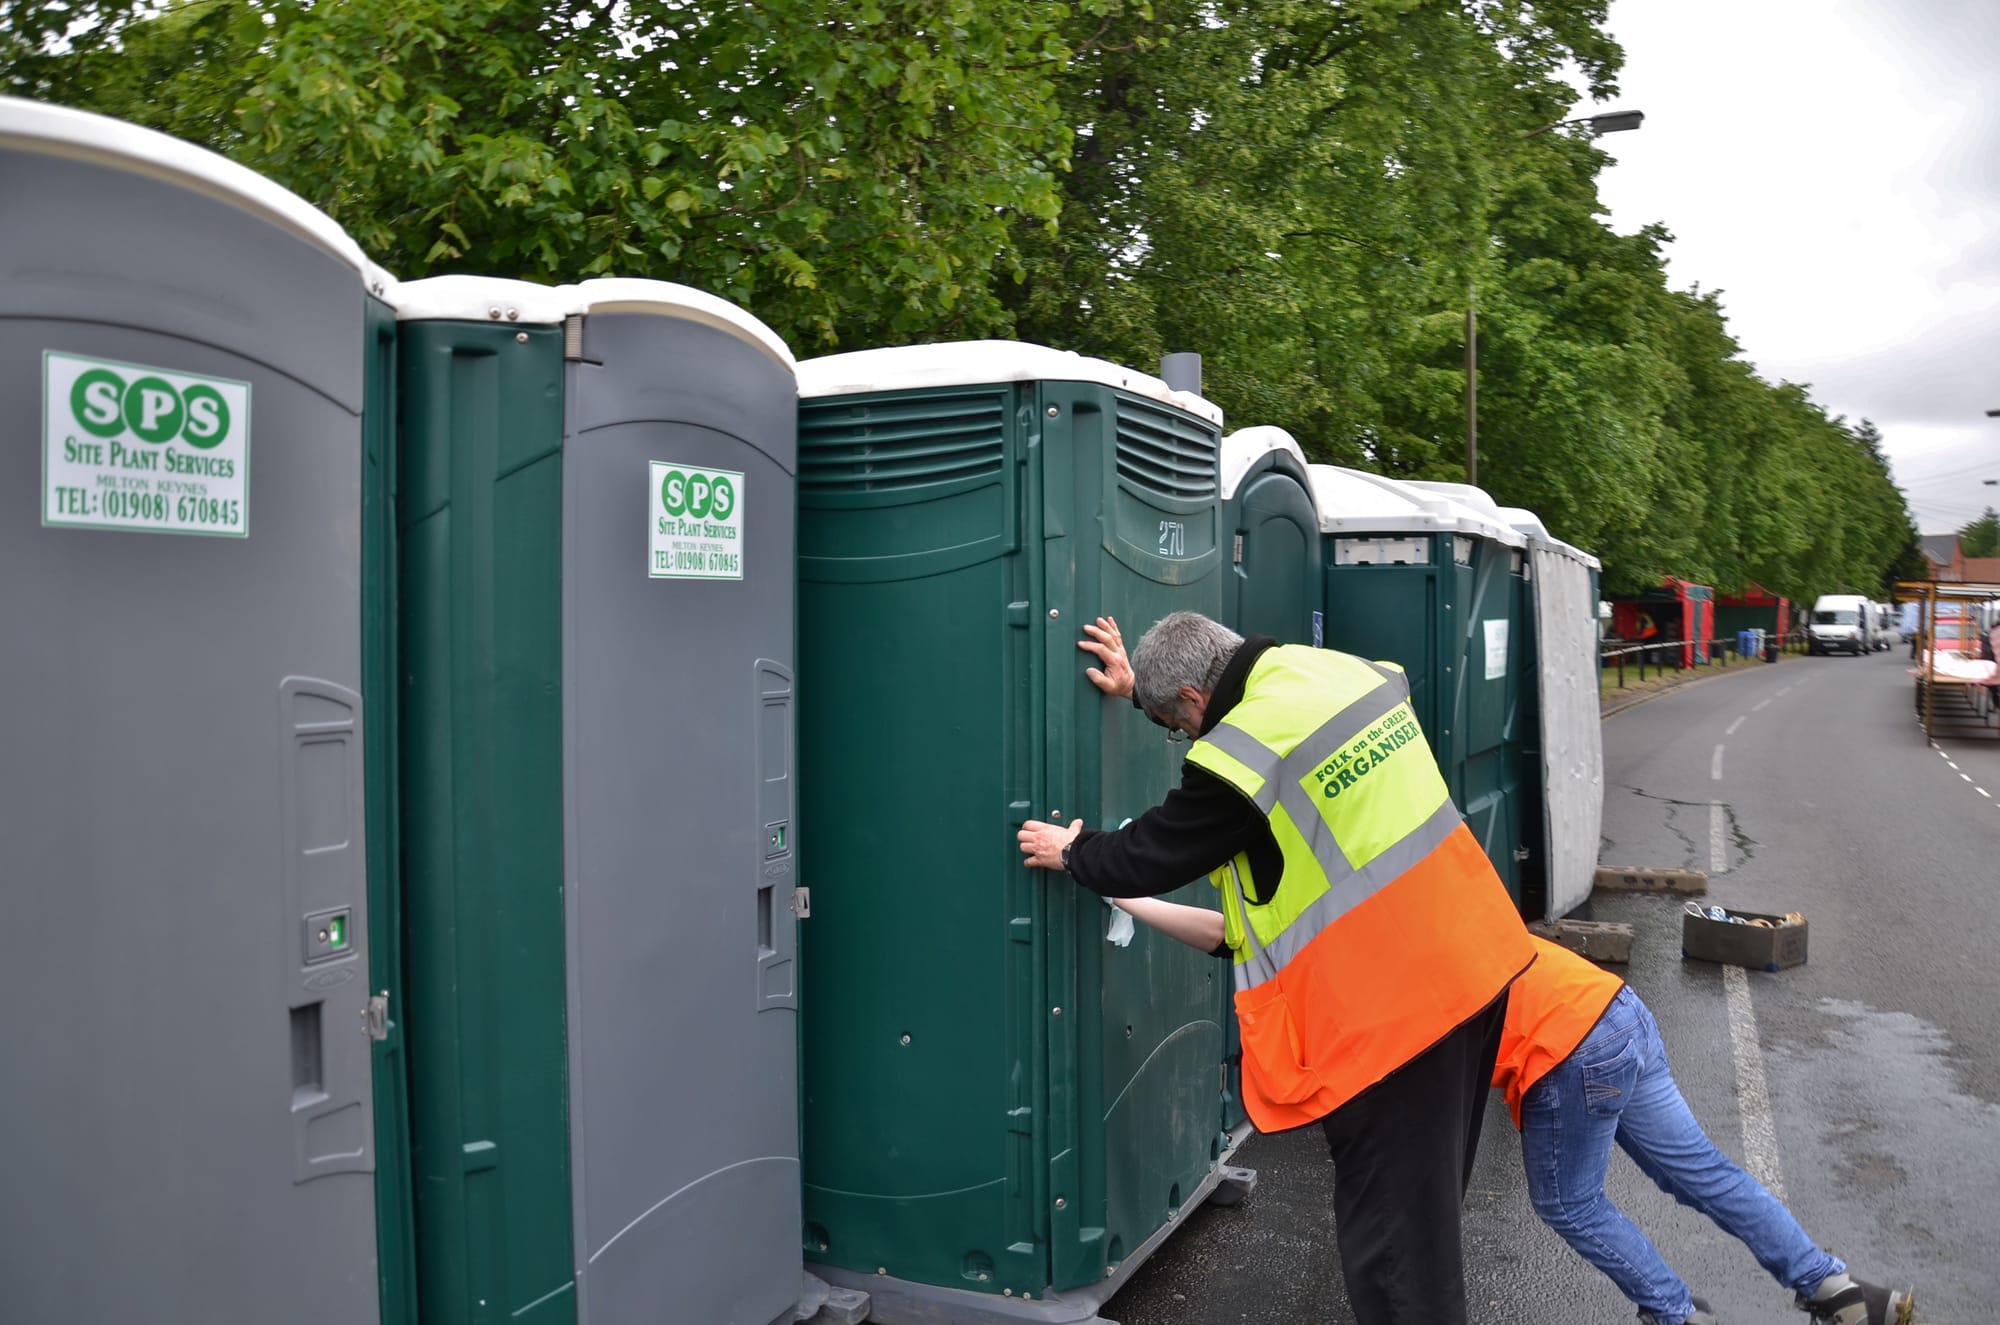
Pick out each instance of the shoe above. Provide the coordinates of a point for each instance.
(1841, 1299)
(1701, 1315)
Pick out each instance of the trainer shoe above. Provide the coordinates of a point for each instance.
(1701, 1315)
(1841, 1299)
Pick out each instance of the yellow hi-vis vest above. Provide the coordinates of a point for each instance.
(1388, 927)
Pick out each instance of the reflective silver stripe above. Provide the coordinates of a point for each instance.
(1261, 966)
(1284, 779)
(1359, 885)
(1325, 741)
(1254, 755)
(1284, 783)
(1331, 737)
(1282, 776)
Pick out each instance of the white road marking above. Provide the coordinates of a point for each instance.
(1783, 690)
(1731, 729)
(1966, 776)
(1984, 792)
(1753, 1096)
(1759, 704)
(1718, 854)
(1715, 766)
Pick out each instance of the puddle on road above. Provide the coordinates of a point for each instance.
(1688, 821)
(1889, 1160)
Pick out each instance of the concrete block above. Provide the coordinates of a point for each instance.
(823, 1304)
(1599, 940)
(1235, 1184)
(1626, 879)
(844, 1306)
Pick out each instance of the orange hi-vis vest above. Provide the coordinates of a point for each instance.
(1549, 1012)
(1388, 928)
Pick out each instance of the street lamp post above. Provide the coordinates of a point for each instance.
(1594, 126)
(1472, 386)
(1611, 121)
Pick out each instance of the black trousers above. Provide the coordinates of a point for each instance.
(1402, 1154)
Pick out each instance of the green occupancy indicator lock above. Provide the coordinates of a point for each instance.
(327, 935)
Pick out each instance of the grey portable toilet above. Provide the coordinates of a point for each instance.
(1272, 584)
(679, 807)
(186, 1117)
(1563, 784)
(597, 721)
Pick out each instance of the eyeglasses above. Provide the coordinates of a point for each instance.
(1175, 736)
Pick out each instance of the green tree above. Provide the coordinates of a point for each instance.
(1299, 190)
(1981, 538)
(851, 171)
(1307, 192)
(1304, 193)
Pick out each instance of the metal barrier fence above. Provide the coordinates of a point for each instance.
(1665, 655)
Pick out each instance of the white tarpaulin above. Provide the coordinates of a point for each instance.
(1952, 666)
(1572, 732)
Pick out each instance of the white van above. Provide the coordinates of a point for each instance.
(1840, 624)
(1886, 634)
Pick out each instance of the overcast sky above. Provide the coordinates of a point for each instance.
(1833, 168)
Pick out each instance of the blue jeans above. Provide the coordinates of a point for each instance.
(1616, 1085)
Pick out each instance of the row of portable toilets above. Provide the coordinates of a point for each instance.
(556, 765)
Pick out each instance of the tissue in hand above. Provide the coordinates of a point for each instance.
(1119, 932)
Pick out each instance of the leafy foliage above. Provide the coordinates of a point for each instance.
(851, 170)
(1981, 538)
(1308, 192)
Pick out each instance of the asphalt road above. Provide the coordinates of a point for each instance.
(1879, 1058)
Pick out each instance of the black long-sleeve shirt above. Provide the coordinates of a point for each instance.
(1202, 825)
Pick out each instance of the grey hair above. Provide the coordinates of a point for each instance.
(1182, 649)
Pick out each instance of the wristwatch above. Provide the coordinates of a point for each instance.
(1067, 846)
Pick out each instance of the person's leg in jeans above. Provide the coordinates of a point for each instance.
(1661, 1134)
(1401, 1154)
(1568, 1122)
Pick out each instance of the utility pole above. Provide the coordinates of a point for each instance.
(1471, 386)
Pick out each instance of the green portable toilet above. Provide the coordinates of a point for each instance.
(1002, 1111)
(1562, 764)
(596, 621)
(188, 1135)
(395, 1190)
(1418, 578)
(1273, 583)
(1520, 742)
